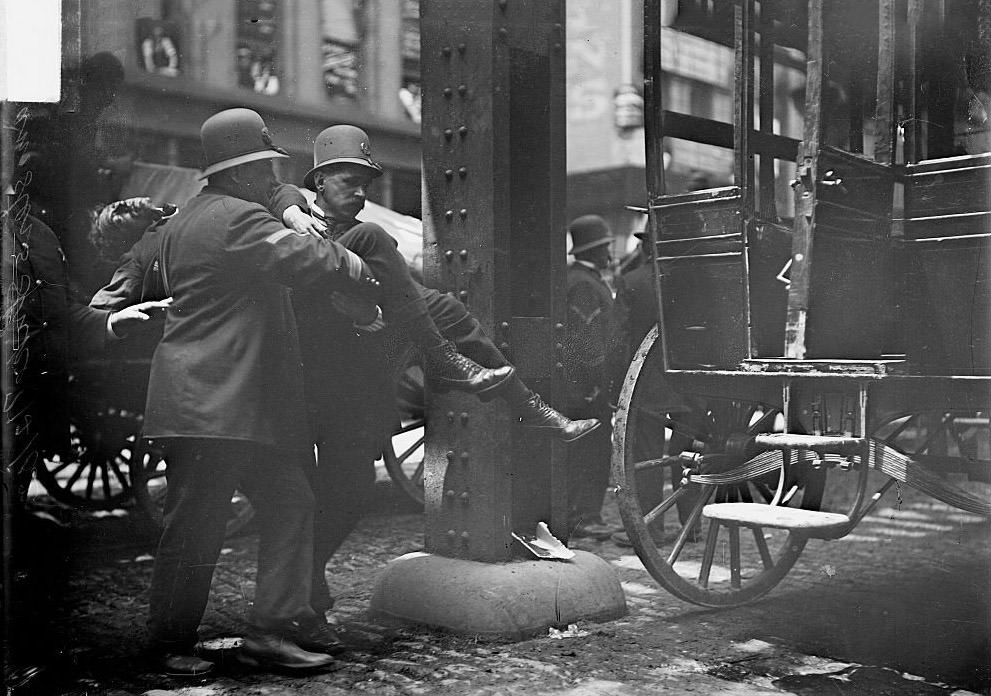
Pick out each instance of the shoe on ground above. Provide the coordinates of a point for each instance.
(592, 530)
(277, 652)
(177, 665)
(320, 638)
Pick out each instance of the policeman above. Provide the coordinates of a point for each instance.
(590, 332)
(225, 399)
(349, 420)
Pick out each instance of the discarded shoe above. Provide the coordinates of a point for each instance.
(277, 652)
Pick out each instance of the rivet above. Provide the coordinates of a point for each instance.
(463, 254)
(464, 537)
(464, 458)
(446, 51)
(448, 133)
(38, 282)
(559, 327)
(503, 32)
(449, 255)
(450, 416)
(463, 213)
(504, 326)
(463, 295)
(464, 498)
(448, 92)
(449, 173)
(557, 47)
(463, 131)
(463, 172)
(450, 456)
(558, 347)
(464, 418)
(462, 89)
(462, 48)
(449, 494)
(558, 27)
(503, 346)
(449, 214)
(502, 5)
(559, 366)
(451, 533)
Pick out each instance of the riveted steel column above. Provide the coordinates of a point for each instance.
(493, 168)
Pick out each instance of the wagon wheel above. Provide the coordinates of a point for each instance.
(150, 486)
(96, 474)
(694, 558)
(403, 457)
(954, 445)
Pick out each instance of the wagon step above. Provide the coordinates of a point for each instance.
(810, 523)
(834, 444)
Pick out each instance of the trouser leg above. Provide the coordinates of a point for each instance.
(277, 486)
(342, 483)
(588, 469)
(201, 479)
(457, 324)
(399, 294)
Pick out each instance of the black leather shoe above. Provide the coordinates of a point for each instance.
(277, 652)
(321, 638)
(537, 415)
(447, 370)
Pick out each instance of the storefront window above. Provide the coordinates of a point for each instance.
(409, 92)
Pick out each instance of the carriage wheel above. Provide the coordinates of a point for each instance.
(96, 474)
(403, 457)
(697, 559)
(150, 486)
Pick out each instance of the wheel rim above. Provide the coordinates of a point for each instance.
(404, 460)
(695, 558)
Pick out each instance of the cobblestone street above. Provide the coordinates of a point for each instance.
(899, 607)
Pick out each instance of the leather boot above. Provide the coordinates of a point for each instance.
(448, 369)
(537, 415)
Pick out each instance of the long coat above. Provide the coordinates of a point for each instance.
(228, 365)
(591, 330)
(49, 331)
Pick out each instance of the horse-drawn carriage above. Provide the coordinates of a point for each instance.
(797, 360)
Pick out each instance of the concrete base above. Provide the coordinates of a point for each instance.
(515, 600)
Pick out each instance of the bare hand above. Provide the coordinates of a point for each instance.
(300, 222)
(143, 314)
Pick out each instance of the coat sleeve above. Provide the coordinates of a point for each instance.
(257, 240)
(285, 196)
(124, 288)
(87, 329)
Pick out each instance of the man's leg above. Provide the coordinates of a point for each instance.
(201, 479)
(403, 307)
(588, 474)
(457, 324)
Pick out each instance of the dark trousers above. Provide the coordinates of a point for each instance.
(456, 324)
(202, 475)
(588, 465)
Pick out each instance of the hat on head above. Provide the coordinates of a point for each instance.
(339, 145)
(235, 137)
(588, 232)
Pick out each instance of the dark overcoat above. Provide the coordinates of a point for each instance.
(591, 330)
(228, 365)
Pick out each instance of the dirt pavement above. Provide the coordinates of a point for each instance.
(900, 607)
